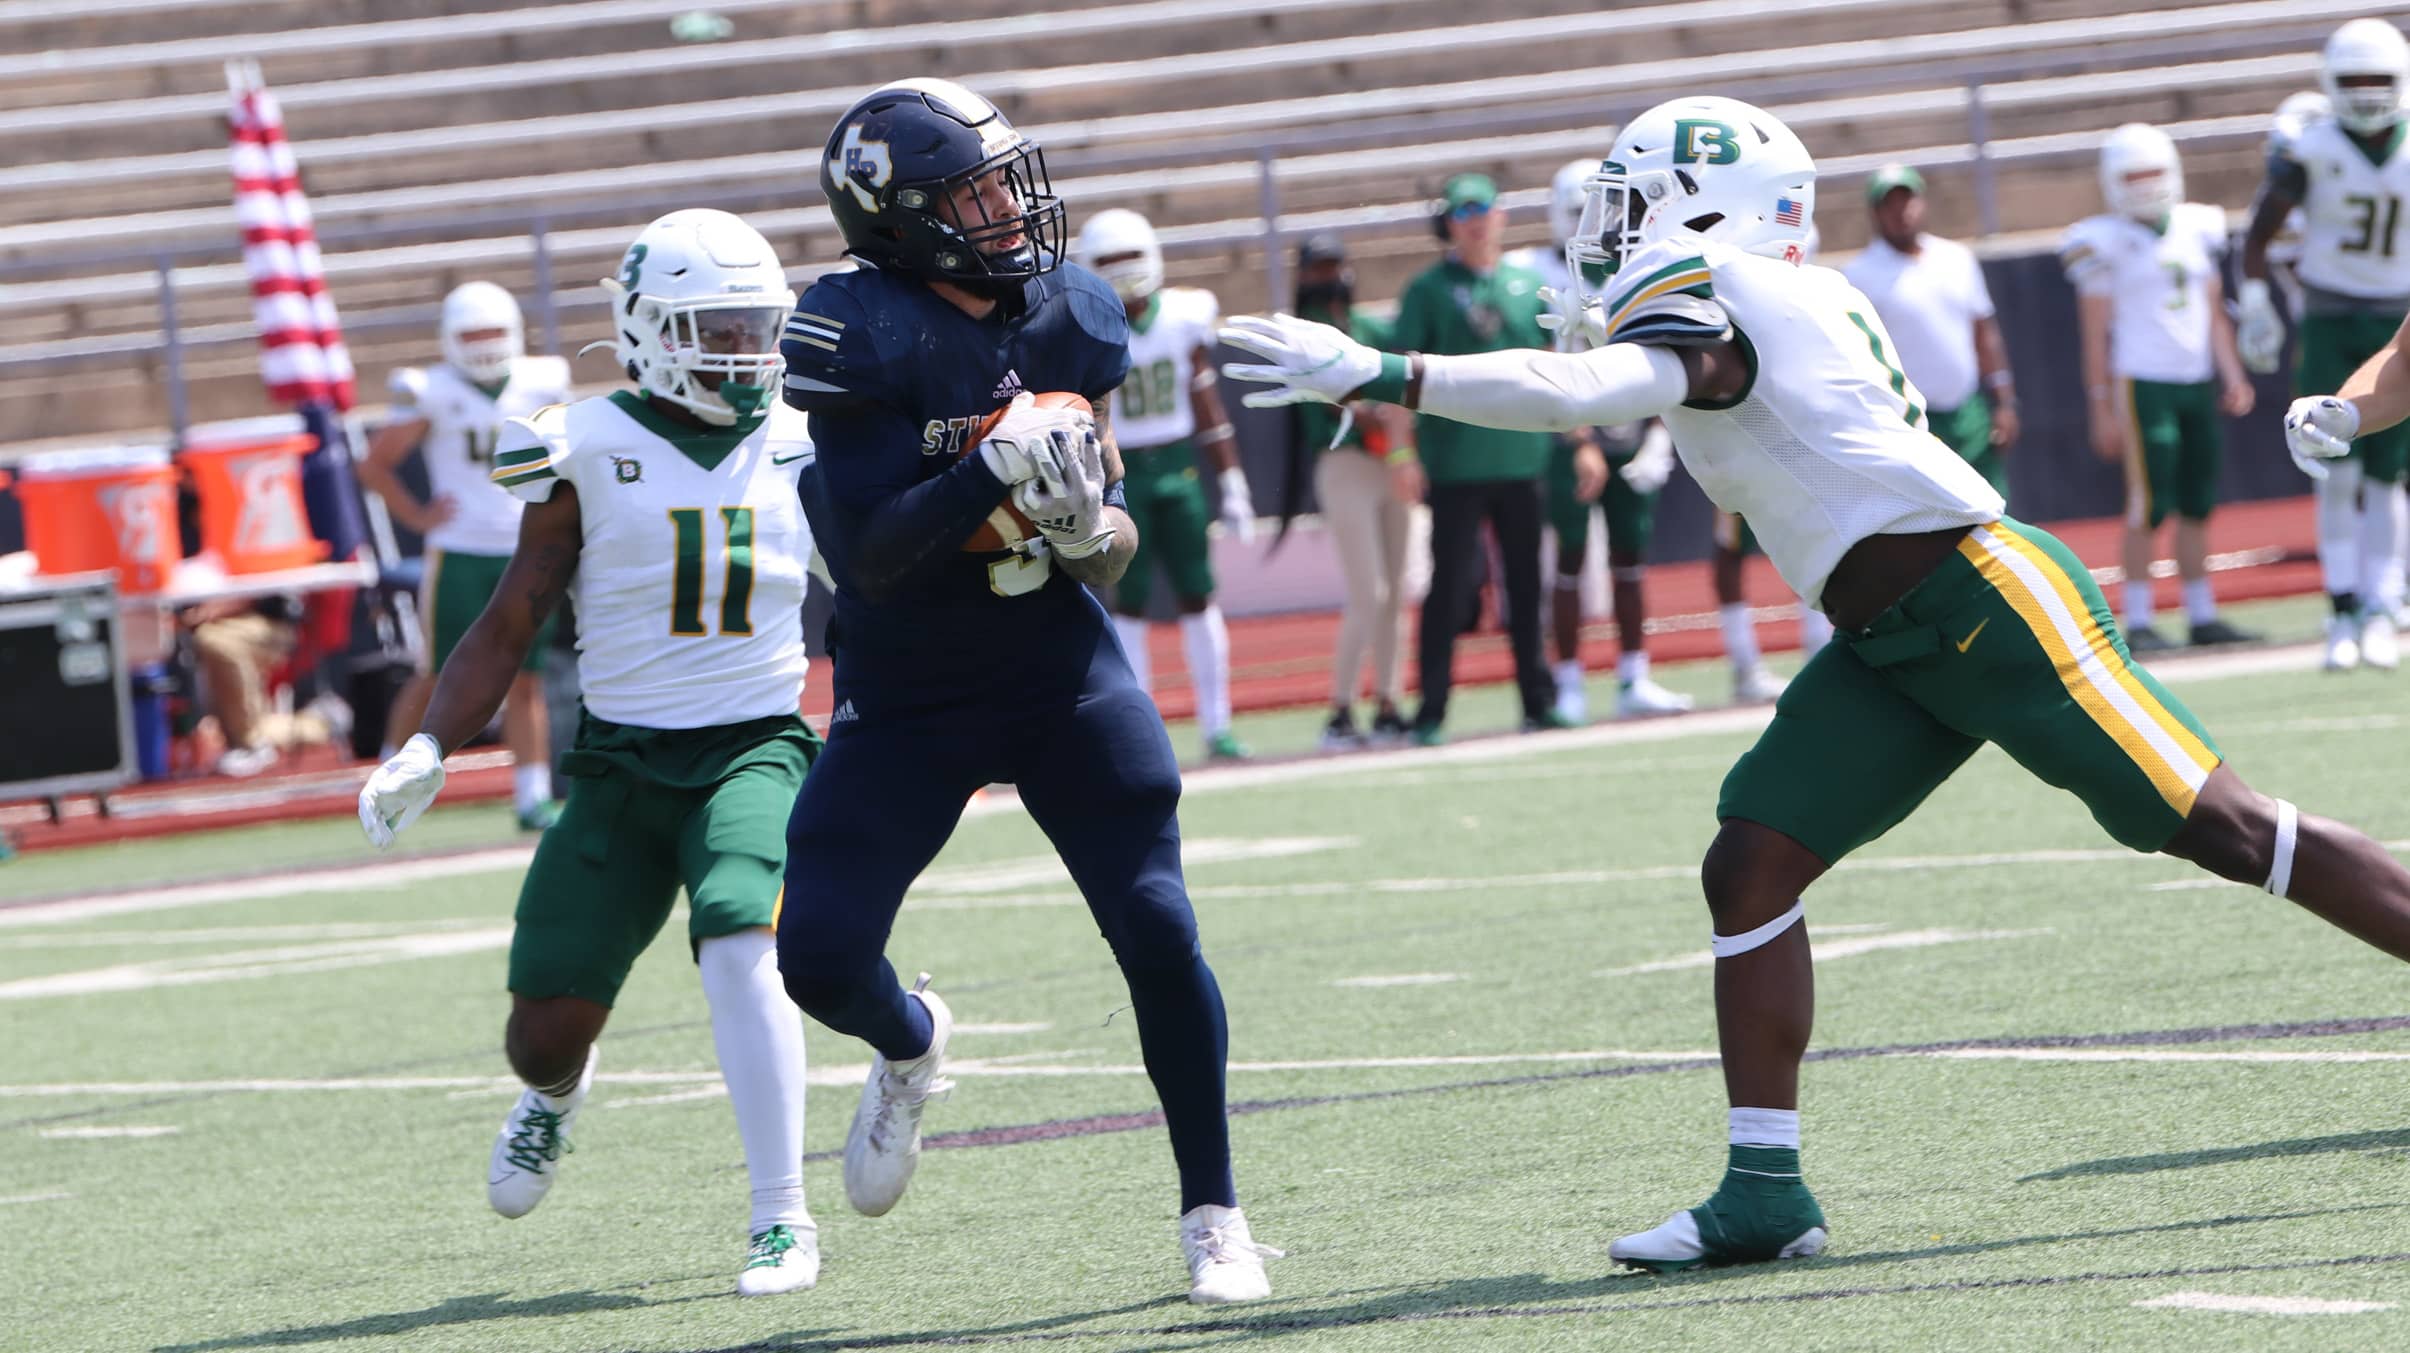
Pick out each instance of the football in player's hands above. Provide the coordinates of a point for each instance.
(1015, 526)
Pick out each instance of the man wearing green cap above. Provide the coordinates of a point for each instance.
(1929, 292)
(1474, 301)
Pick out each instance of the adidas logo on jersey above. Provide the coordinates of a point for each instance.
(845, 714)
(1007, 388)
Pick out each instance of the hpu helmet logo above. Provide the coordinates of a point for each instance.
(866, 167)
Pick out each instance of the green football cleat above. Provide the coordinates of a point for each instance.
(1761, 1212)
(781, 1259)
(1430, 735)
(1225, 746)
(539, 818)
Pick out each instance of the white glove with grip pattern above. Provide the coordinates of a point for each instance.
(2319, 429)
(1022, 445)
(1576, 321)
(1308, 361)
(398, 791)
(1069, 508)
(1237, 510)
(2258, 329)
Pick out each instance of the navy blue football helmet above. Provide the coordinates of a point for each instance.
(927, 178)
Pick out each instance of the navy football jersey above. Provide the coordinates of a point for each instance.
(896, 379)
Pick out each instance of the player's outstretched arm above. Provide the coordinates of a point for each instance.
(477, 676)
(1524, 389)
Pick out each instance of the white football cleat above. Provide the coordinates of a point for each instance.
(883, 1148)
(1756, 686)
(781, 1259)
(1677, 1245)
(2342, 643)
(1641, 698)
(528, 1150)
(1572, 703)
(2380, 644)
(1224, 1262)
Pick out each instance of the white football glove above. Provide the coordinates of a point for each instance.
(398, 791)
(1308, 361)
(1238, 505)
(2319, 429)
(1069, 508)
(1576, 321)
(1653, 463)
(1022, 446)
(2258, 330)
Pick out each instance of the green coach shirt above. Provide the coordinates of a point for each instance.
(1451, 309)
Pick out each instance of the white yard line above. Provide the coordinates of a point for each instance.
(333, 930)
(193, 969)
(2253, 1055)
(105, 1133)
(375, 873)
(1400, 979)
(36, 1198)
(2220, 1301)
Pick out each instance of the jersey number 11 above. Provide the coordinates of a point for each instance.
(736, 591)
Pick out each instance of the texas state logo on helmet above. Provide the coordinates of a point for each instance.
(902, 173)
(1711, 166)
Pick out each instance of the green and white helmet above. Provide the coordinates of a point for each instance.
(1710, 166)
(698, 306)
(2141, 176)
(2364, 71)
(1128, 240)
(481, 308)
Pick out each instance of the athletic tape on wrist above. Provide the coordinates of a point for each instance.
(1729, 946)
(2288, 831)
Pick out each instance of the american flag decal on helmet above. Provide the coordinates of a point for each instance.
(1788, 211)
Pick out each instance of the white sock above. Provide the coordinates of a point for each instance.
(1207, 640)
(1815, 630)
(1740, 637)
(1765, 1127)
(2139, 609)
(2200, 605)
(1133, 632)
(759, 1036)
(1631, 667)
(2381, 530)
(531, 786)
(1570, 672)
(2338, 516)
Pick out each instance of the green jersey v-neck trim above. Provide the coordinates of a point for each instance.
(706, 447)
(1146, 317)
(2378, 155)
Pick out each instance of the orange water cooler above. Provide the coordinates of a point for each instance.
(252, 514)
(88, 511)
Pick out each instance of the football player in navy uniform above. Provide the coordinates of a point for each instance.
(968, 649)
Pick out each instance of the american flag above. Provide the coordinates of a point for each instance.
(1790, 212)
(302, 357)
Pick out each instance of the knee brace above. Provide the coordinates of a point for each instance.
(1732, 946)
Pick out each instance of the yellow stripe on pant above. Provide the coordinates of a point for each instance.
(2037, 589)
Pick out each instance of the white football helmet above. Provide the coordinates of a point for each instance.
(1566, 193)
(1115, 233)
(482, 307)
(699, 304)
(2140, 174)
(1711, 166)
(2372, 52)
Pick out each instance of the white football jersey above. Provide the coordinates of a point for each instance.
(690, 584)
(1829, 444)
(2158, 283)
(2352, 237)
(463, 423)
(1152, 407)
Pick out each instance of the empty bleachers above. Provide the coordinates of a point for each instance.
(431, 134)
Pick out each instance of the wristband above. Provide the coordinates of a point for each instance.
(2003, 379)
(1389, 387)
(1404, 455)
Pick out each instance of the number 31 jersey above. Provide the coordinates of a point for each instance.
(1828, 444)
(2352, 241)
(690, 582)
(1152, 407)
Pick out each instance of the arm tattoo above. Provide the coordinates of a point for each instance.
(553, 566)
(1106, 439)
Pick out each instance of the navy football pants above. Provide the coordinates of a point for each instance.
(1095, 769)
